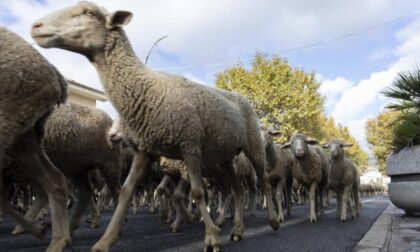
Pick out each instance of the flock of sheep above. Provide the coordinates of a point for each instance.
(181, 146)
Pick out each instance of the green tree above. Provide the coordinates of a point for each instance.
(405, 90)
(282, 96)
(287, 98)
(379, 132)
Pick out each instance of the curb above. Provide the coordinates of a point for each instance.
(376, 239)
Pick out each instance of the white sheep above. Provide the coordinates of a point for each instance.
(344, 180)
(310, 169)
(165, 115)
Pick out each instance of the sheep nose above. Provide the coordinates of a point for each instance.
(37, 25)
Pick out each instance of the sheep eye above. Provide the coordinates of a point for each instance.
(89, 13)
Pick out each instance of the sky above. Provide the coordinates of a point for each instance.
(355, 47)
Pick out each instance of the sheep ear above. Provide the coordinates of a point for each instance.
(326, 146)
(347, 145)
(118, 18)
(312, 142)
(275, 133)
(286, 145)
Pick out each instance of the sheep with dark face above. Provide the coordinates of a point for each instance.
(165, 115)
(310, 169)
(344, 180)
(30, 88)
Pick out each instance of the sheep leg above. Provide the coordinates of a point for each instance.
(238, 198)
(138, 169)
(103, 198)
(134, 202)
(150, 191)
(95, 213)
(356, 196)
(279, 199)
(222, 215)
(193, 163)
(171, 210)
(28, 154)
(345, 201)
(84, 193)
(211, 196)
(182, 213)
(258, 162)
(112, 178)
(40, 201)
(252, 200)
(351, 205)
(312, 201)
(339, 193)
(219, 203)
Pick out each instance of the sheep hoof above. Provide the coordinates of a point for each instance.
(99, 248)
(275, 224)
(214, 248)
(18, 230)
(235, 238)
(174, 229)
(94, 225)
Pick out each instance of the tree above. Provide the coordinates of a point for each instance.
(406, 91)
(281, 96)
(379, 132)
(287, 99)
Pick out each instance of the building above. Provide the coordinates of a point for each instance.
(84, 95)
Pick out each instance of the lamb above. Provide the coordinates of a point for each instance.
(30, 89)
(75, 140)
(344, 179)
(165, 115)
(310, 169)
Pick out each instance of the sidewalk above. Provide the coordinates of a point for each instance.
(393, 231)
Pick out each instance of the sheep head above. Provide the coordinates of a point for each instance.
(81, 28)
(336, 148)
(299, 145)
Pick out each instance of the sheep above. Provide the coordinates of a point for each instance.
(166, 115)
(246, 174)
(30, 89)
(279, 171)
(282, 180)
(344, 179)
(310, 169)
(75, 140)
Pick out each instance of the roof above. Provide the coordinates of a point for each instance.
(83, 90)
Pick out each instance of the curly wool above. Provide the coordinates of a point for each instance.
(30, 87)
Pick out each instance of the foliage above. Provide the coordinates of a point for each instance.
(379, 132)
(287, 99)
(406, 91)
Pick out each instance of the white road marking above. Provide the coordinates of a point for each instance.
(198, 246)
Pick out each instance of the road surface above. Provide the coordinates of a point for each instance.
(145, 232)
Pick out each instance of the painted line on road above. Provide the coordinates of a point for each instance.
(198, 246)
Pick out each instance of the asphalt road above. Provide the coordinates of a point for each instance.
(145, 232)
